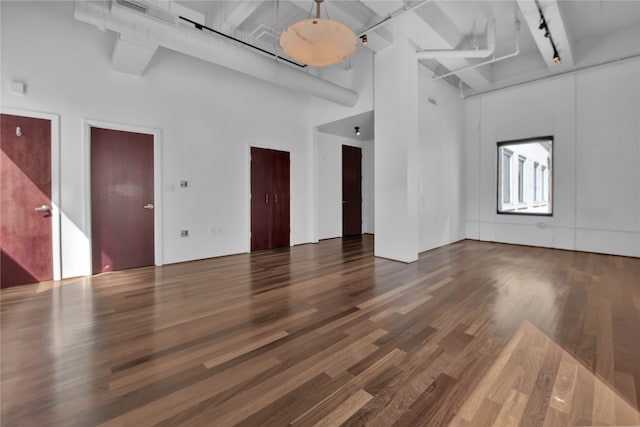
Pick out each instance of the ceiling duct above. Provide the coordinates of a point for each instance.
(137, 25)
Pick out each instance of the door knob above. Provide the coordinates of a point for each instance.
(148, 206)
(43, 208)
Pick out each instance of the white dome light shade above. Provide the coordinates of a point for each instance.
(318, 42)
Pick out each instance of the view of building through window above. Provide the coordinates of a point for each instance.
(525, 176)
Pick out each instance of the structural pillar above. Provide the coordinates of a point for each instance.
(396, 152)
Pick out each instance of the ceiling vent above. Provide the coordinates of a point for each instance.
(120, 7)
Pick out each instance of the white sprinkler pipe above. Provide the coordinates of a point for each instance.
(491, 61)
(469, 53)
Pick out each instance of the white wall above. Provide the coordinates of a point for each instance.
(360, 78)
(441, 164)
(329, 161)
(368, 188)
(208, 117)
(594, 116)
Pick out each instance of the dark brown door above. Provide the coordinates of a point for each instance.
(25, 199)
(351, 191)
(270, 198)
(121, 200)
(261, 214)
(280, 188)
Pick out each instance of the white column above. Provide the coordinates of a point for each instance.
(396, 152)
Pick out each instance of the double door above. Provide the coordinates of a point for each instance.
(270, 198)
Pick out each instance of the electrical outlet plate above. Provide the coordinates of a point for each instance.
(184, 233)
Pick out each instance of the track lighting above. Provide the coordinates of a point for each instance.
(358, 130)
(547, 33)
(364, 39)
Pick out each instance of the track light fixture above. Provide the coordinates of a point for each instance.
(544, 27)
(364, 39)
(358, 130)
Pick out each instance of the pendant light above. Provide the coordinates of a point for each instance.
(318, 42)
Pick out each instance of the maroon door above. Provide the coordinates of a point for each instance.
(270, 198)
(281, 205)
(25, 199)
(261, 214)
(121, 200)
(351, 191)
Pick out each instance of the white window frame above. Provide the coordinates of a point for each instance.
(536, 200)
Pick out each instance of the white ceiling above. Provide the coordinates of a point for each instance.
(346, 127)
(586, 33)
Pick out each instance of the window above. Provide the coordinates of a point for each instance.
(536, 184)
(506, 174)
(543, 196)
(521, 195)
(532, 178)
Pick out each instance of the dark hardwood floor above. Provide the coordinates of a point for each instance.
(472, 334)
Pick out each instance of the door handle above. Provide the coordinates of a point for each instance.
(148, 206)
(43, 208)
(266, 199)
(276, 196)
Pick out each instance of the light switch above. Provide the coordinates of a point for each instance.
(16, 88)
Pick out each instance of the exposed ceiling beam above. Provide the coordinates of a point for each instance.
(383, 8)
(551, 11)
(436, 33)
(335, 12)
(366, 16)
(239, 14)
(439, 33)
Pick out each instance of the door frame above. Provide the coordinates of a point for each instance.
(248, 187)
(54, 119)
(157, 182)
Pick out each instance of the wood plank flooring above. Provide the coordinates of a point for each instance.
(472, 334)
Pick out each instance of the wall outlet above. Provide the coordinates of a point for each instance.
(184, 233)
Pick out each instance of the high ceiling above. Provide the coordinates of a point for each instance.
(585, 32)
